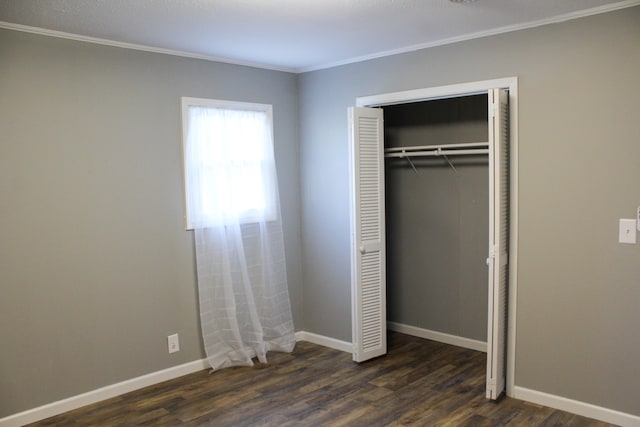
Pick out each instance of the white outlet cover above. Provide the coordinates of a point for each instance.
(173, 343)
(627, 233)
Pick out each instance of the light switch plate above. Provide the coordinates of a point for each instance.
(638, 219)
(627, 231)
(173, 343)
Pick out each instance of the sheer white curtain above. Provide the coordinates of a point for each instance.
(233, 207)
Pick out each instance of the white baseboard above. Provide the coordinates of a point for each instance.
(537, 397)
(576, 407)
(438, 336)
(75, 402)
(533, 396)
(84, 399)
(345, 346)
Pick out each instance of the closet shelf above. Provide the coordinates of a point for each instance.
(471, 148)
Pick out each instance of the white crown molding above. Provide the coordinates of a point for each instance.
(560, 18)
(501, 30)
(133, 46)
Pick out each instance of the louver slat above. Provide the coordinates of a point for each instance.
(367, 222)
(499, 241)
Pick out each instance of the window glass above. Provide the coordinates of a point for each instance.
(228, 163)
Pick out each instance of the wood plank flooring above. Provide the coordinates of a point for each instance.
(419, 383)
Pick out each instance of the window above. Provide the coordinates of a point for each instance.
(229, 170)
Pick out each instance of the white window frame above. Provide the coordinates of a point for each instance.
(271, 211)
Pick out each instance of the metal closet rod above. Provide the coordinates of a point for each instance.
(439, 150)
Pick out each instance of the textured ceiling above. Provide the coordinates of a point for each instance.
(295, 35)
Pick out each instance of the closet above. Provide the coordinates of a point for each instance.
(430, 224)
(437, 218)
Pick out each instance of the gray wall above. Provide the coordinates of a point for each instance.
(437, 219)
(96, 268)
(578, 289)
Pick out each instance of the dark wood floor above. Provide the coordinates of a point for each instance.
(419, 383)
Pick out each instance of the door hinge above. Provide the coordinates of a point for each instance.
(493, 109)
(492, 255)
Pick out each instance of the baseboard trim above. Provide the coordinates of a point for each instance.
(438, 336)
(55, 408)
(345, 346)
(576, 407)
(103, 393)
(113, 390)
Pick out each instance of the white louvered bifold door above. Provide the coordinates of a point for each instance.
(498, 240)
(368, 280)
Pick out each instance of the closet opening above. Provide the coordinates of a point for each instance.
(431, 214)
(437, 219)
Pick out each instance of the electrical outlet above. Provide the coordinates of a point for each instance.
(173, 342)
(627, 233)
